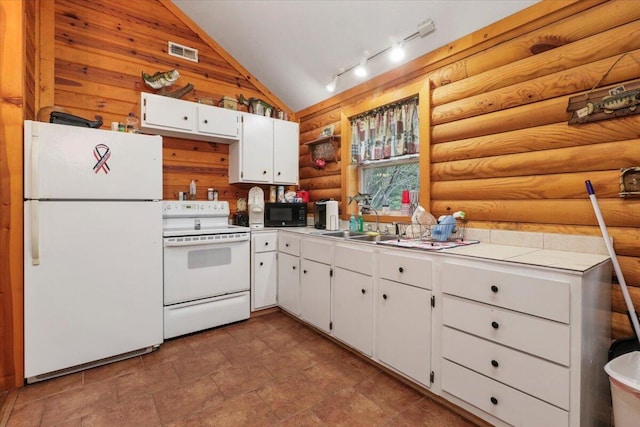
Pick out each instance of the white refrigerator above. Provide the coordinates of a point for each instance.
(92, 247)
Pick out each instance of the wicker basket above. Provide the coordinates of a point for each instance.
(433, 233)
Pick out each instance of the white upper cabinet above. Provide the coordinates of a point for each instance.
(286, 137)
(167, 116)
(218, 121)
(267, 152)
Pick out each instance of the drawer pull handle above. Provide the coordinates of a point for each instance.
(384, 296)
(495, 363)
(495, 325)
(494, 400)
(364, 292)
(494, 289)
(401, 270)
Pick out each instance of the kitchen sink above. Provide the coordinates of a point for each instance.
(373, 238)
(342, 233)
(359, 236)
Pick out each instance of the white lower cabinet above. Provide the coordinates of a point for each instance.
(403, 329)
(514, 344)
(315, 294)
(526, 346)
(315, 282)
(289, 272)
(352, 296)
(264, 266)
(289, 283)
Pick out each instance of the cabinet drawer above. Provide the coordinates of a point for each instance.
(406, 268)
(516, 369)
(317, 249)
(533, 295)
(265, 242)
(289, 244)
(355, 258)
(499, 400)
(540, 337)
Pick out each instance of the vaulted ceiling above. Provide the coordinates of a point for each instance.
(295, 47)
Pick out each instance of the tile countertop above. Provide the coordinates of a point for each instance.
(560, 251)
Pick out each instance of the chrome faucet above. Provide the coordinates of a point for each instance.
(377, 217)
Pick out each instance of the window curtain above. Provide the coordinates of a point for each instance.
(385, 132)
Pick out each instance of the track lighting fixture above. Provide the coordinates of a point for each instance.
(396, 53)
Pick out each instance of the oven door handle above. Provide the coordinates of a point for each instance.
(180, 241)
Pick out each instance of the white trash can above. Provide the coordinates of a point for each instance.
(624, 376)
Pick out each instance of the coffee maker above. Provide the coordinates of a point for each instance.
(256, 207)
(325, 215)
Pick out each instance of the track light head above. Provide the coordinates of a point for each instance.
(361, 69)
(331, 87)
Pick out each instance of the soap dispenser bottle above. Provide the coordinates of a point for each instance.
(192, 190)
(353, 224)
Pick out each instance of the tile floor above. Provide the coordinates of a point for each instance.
(270, 370)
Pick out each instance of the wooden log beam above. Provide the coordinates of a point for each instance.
(611, 155)
(553, 186)
(545, 137)
(527, 116)
(605, 31)
(616, 212)
(565, 82)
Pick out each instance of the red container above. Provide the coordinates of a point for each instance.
(304, 195)
(405, 196)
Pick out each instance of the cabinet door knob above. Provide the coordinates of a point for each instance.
(495, 363)
(266, 243)
(206, 121)
(304, 271)
(264, 172)
(294, 267)
(261, 263)
(286, 244)
(384, 296)
(185, 118)
(364, 292)
(494, 400)
(494, 289)
(495, 325)
(401, 270)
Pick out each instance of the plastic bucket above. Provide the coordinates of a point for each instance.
(624, 376)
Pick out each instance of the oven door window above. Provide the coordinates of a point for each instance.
(202, 271)
(211, 257)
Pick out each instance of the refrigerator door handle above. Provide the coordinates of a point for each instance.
(35, 161)
(35, 232)
(35, 220)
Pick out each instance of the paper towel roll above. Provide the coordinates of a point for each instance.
(333, 220)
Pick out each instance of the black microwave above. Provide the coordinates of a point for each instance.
(285, 214)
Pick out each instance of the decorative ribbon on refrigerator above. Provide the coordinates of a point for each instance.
(102, 153)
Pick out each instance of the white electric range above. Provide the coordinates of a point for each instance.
(206, 267)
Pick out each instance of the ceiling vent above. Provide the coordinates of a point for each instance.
(188, 53)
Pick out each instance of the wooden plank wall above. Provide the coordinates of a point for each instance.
(500, 145)
(14, 19)
(101, 49)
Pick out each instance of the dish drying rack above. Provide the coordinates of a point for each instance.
(432, 233)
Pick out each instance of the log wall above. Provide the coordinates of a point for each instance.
(499, 143)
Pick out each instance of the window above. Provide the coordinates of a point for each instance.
(385, 181)
(385, 145)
